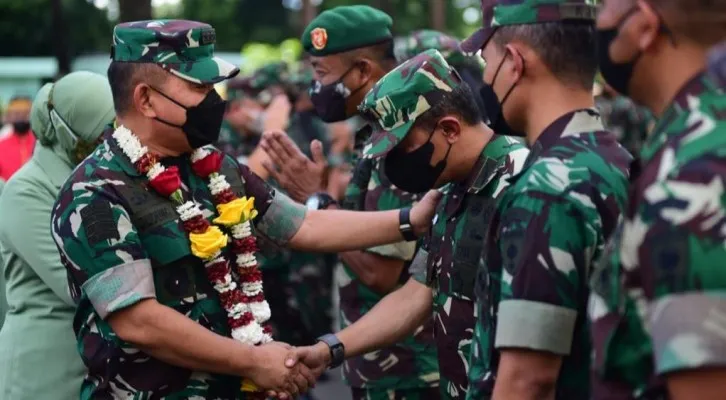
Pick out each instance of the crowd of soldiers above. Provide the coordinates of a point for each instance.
(537, 212)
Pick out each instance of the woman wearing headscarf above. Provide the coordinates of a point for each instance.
(38, 351)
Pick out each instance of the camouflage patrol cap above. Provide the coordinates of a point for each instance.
(496, 13)
(403, 95)
(425, 39)
(184, 48)
(272, 74)
(345, 28)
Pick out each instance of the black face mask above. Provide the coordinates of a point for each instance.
(330, 100)
(203, 120)
(617, 75)
(495, 108)
(21, 127)
(412, 172)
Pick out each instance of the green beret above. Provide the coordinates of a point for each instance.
(346, 28)
(184, 48)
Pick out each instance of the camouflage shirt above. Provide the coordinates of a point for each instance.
(449, 257)
(658, 294)
(548, 227)
(626, 120)
(122, 243)
(412, 362)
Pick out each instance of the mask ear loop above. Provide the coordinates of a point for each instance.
(511, 88)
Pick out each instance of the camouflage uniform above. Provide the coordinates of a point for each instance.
(658, 292)
(450, 255)
(626, 120)
(122, 243)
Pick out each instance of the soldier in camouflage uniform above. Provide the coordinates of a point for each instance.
(657, 301)
(629, 122)
(149, 322)
(531, 337)
(350, 49)
(469, 67)
(431, 134)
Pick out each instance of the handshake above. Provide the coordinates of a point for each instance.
(285, 371)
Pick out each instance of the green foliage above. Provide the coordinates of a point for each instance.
(27, 29)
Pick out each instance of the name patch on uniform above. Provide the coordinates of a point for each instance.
(209, 36)
(98, 223)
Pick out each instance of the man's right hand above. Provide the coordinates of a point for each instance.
(277, 369)
(298, 175)
(423, 212)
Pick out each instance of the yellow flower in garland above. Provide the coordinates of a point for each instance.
(236, 211)
(207, 244)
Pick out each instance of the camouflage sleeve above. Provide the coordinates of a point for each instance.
(279, 217)
(545, 248)
(101, 248)
(679, 233)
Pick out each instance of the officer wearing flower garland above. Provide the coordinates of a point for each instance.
(157, 232)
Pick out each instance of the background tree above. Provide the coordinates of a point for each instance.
(134, 10)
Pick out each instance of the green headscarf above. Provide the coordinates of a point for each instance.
(69, 115)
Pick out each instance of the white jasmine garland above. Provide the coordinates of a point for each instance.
(252, 288)
(261, 311)
(129, 144)
(188, 210)
(224, 288)
(246, 260)
(241, 231)
(238, 310)
(217, 184)
(199, 154)
(251, 333)
(155, 171)
(223, 285)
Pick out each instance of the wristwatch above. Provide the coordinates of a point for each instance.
(337, 350)
(320, 201)
(404, 224)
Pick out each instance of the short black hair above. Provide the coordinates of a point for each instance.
(567, 48)
(382, 53)
(123, 78)
(459, 102)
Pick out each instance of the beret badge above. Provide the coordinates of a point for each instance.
(319, 38)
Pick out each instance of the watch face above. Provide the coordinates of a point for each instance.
(313, 203)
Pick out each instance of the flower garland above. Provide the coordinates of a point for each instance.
(243, 299)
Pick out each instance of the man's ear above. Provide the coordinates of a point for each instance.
(451, 127)
(142, 100)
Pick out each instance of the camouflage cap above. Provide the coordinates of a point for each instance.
(496, 13)
(276, 73)
(184, 48)
(425, 39)
(403, 95)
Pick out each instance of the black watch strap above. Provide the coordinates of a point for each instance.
(337, 350)
(404, 224)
